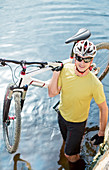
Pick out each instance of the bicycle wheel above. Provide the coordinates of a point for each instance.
(102, 59)
(12, 120)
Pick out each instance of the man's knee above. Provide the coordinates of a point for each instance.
(72, 158)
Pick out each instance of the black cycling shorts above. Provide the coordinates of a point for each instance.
(72, 134)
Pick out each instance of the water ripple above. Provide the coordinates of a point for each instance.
(37, 31)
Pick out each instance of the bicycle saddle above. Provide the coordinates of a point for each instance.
(82, 34)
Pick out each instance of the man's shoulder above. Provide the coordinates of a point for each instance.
(94, 79)
(69, 65)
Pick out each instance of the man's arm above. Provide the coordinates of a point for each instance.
(103, 117)
(53, 88)
(99, 138)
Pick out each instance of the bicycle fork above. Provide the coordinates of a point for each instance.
(22, 90)
(8, 98)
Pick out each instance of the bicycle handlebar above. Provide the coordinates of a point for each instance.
(3, 61)
(53, 64)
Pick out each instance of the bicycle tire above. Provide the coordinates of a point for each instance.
(100, 46)
(12, 130)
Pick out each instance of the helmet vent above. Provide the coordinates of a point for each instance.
(80, 48)
(85, 48)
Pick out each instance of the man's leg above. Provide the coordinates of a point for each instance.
(75, 132)
(72, 158)
(62, 126)
(72, 134)
(78, 164)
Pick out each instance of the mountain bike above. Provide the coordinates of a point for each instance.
(15, 96)
(16, 92)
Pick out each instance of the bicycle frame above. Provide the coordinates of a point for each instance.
(27, 79)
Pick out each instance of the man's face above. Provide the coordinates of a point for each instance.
(82, 62)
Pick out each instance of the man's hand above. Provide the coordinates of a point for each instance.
(97, 139)
(58, 68)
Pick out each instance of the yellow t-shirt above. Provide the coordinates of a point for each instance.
(77, 93)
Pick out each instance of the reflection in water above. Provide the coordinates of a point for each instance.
(63, 160)
(22, 165)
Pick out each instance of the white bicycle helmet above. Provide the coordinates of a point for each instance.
(85, 48)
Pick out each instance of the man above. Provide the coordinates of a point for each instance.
(77, 86)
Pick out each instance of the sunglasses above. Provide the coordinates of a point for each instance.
(86, 60)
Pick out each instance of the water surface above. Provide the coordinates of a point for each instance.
(36, 31)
